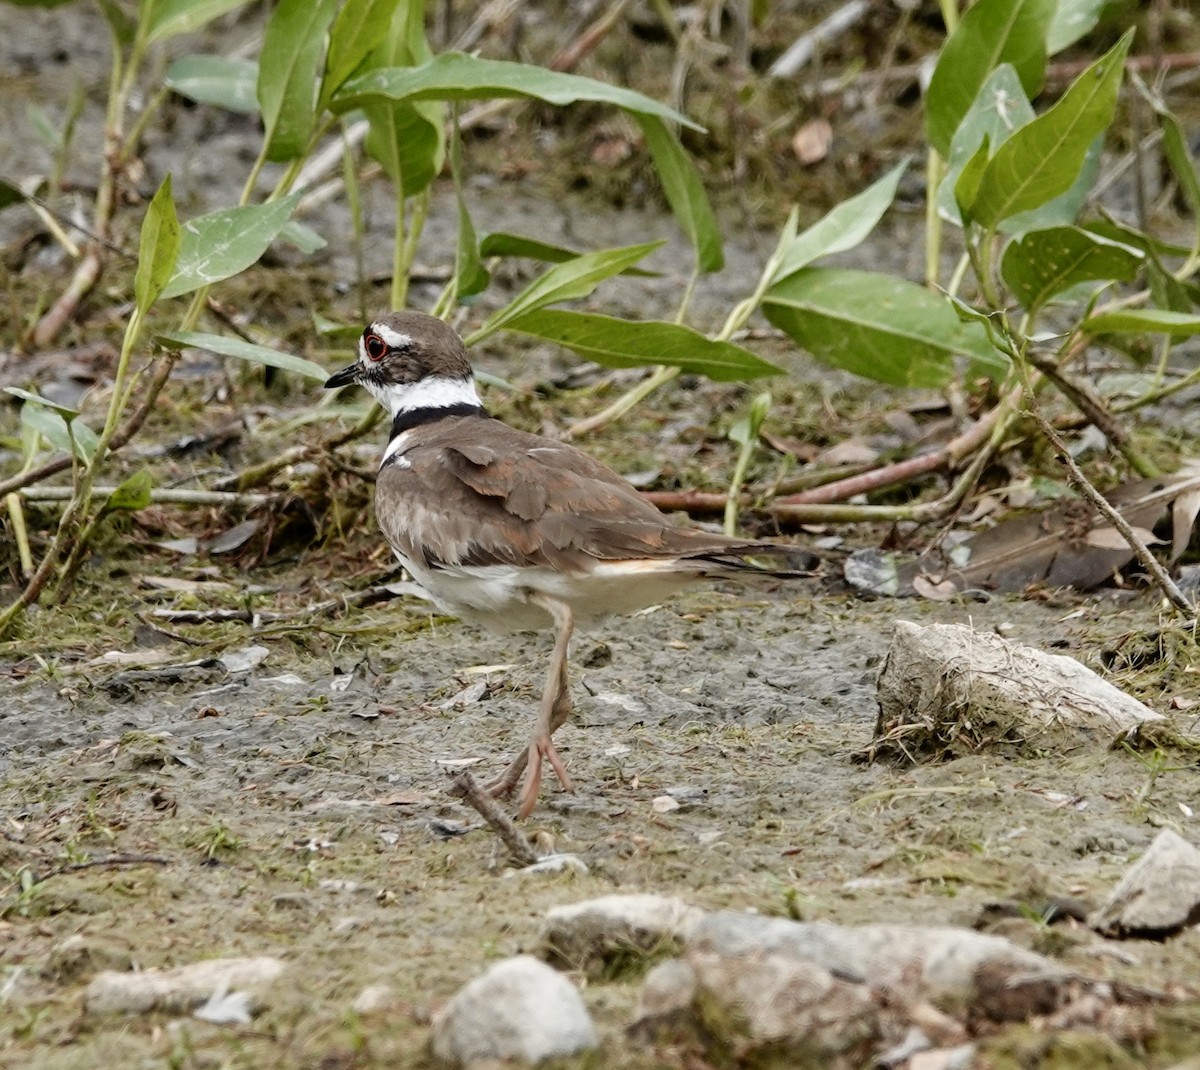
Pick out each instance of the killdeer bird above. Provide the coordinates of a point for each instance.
(514, 530)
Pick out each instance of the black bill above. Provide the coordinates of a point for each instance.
(345, 377)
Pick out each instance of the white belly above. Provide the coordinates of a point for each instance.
(499, 596)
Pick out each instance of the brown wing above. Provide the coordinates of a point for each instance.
(491, 494)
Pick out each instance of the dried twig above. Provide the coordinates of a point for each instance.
(173, 495)
(466, 787)
(1141, 551)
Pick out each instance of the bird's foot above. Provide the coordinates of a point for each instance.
(540, 747)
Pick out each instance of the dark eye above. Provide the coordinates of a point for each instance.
(376, 346)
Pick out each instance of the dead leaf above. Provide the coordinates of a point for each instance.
(1183, 520)
(851, 451)
(1112, 539)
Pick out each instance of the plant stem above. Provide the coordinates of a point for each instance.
(626, 402)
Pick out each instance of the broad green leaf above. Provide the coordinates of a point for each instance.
(843, 227)
(1166, 291)
(617, 343)
(407, 137)
(565, 282)
(990, 32)
(133, 493)
(288, 69)
(173, 17)
(1064, 209)
(878, 326)
(1070, 21)
(998, 111)
(457, 76)
(501, 243)
(158, 248)
(302, 236)
(1046, 262)
(65, 411)
(220, 244)
(1143, 321)
(1043, 159)
(226, 82)
(69, 437)
(357, 31)
(235, 347)
(966, 186)
(10, 193)
(685, 192)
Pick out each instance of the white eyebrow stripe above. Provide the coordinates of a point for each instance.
(394, 339)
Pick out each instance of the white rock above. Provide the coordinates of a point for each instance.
(180, 990)
(949, 687)
(520, 1009)
(1159, 895)
(599, 932)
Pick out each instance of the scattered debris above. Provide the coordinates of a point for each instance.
(1158, 896)
(948, 688)
(244, 658)
(181, 990)
(599, 935)
(520, 1009)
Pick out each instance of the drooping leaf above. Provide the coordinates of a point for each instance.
(169, 18)
(224, 81)
(10, 193)
(565, 282)
(470, 276)
(133, 493)
(998, 111)
(1070, 21)
(684, 191)
(878, 326)
(501, 243)
(1143, 321)
(990, 32)
(618, 343)
(1046, 262)
(288, 67)
(1043, 159)
(357, 31)
(158, 248)
(218, 245)
(457, 76)
(302, 236)
(843, 227)
(66, 411)
(1175, 148)
(235, 347)
(70, 437)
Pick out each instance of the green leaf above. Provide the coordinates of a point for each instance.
(501, 243)
(746, 430)
(998, 111)
(1143, 321)
(357, 31)
(132, 494)
(220, 244)
(302, 236)
(1046, 262)
(226, 82)
(235, 347)
(288, 70)
(565, 282)
(470, 276)
(65, 411)
(406, 137)
(1071, 20)
(878, 326)
(1175, 147)
(685, 192)
(966, 186)
(1043, 159)
(990, 32)
(617, 343)
(173, 17)
(10, 194)
(68, 437)
(457, 76)
(158, 248)
(120, 25)
(843, 227)
(1064, 209)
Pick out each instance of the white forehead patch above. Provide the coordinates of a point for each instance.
(394, 339)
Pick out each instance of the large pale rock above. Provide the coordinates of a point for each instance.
(180, 990)
(600, 935)
(948, 688)
(520, 1010)
(1159, 895)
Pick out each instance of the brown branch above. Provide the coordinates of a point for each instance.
(466, 787)
(87, 272)
(568, 58)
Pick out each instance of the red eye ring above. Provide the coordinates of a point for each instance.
(375, 346)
